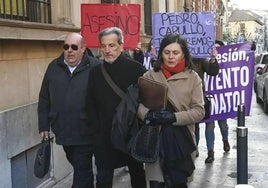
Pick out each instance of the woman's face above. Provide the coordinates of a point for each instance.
(172, 54)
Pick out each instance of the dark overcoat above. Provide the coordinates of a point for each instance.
(102, 100)
(61, 104)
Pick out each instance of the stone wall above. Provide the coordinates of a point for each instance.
(19, 136)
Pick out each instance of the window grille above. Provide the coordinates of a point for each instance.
(26, 10)
(148, 17)
(110, 1)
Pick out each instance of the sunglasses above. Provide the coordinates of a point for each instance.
(73, 46)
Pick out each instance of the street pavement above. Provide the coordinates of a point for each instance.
(222, 173)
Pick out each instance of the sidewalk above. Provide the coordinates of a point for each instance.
(222, 172)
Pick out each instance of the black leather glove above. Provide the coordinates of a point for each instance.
(160, 117)
(149, 118)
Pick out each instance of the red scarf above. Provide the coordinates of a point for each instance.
(169, 71)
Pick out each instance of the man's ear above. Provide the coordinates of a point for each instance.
(122, 47)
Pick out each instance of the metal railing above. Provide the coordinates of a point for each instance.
(26, 10)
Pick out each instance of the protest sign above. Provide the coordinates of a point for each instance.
(96, 17)
(197, 27)
(148, 60)
(233, 85)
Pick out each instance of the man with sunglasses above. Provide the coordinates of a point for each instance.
(102, 101)
(61, 107)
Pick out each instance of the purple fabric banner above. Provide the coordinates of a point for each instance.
(147, 60)
(197, 27)
(233, 85)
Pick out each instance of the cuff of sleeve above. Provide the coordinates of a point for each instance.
(142, 111)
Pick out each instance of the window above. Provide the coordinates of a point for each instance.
(264, 59)
(242, 27)
(110, 1)
(148, 17)
(22, 167)
(26, 10)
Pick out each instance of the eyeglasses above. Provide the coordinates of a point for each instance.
(67, 46)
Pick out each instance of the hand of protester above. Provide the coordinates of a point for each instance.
(44, 134)
(138, 47)
(160, 117)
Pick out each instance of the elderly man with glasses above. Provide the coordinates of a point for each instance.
(61, 107)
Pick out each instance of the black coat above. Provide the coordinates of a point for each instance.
(138, 56)
(176, 146)
(102, 100)
(62, 102)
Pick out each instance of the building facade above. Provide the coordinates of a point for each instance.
(31, 35)
(245, 25)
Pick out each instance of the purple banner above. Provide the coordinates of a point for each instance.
(233, 85)
(147, 63)
(197, 27)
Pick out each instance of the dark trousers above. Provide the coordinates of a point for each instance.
(155, 184)
(105, 169)
(80, 158)
(197, 133)
(137, 173)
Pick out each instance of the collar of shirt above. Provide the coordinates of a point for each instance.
(71, 68)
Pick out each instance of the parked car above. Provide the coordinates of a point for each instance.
(261, 89)
(260, 61)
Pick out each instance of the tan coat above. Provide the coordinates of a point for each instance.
(186, 95)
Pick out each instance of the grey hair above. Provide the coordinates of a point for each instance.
(112, 30)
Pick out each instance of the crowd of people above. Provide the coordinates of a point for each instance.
(210, 67)
(80, 93)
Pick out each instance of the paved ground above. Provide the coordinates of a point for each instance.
(222, 172)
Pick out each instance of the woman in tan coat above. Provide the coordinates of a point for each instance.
(185, 107)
